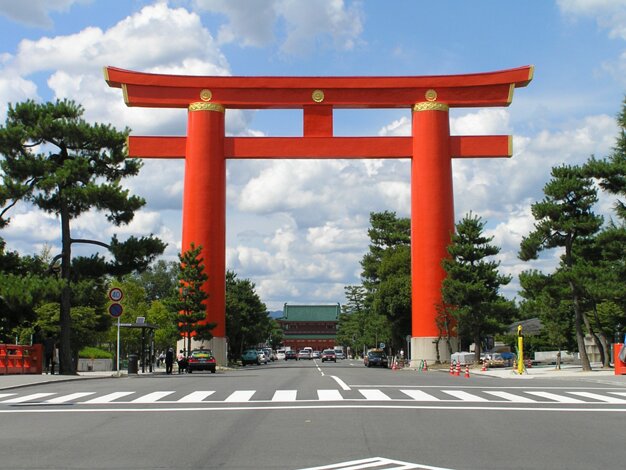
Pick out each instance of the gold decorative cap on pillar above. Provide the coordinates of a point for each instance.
(430, 106)
(204, 106)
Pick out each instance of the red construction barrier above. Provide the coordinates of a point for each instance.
(33, 359)
(14, 360)
(620, 367)
(3, 359)
(17, 359)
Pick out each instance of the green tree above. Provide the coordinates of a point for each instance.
(247, 320)
(611, 171)
(565, 218)
(65, 166)
(387, 272)
(190, 304)
(546, 297)
(472, 283)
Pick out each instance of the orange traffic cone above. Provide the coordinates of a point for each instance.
(467, 371)
(451, 368)
(394, 366)
(425, 369)
(458, 369)
(484, 369)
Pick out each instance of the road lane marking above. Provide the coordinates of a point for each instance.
(599, 397)
(341, 383)
(108, 398)
(285, 395)
(375, 463)
(555, 397)
(240, 396)
(511, 397)
(329, 395)
(418, 395)
(461, 395)
(196, 397)
(3, 395)
(70, 397)
(151, 397)
(374, 395)
(453, 408)
(34, 396)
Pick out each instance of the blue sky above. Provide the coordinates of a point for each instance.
(298, 229)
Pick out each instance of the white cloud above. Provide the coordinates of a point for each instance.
(610, 14)
(306, 23)
(35, 12)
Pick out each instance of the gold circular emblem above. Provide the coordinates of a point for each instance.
(431, 95)
(318, 96)
(206, 95)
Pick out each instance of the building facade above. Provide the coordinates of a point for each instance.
(312, 326)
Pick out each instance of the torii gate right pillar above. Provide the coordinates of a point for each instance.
(432, 224)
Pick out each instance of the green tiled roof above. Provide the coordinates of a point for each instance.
(312, 336)
(311, 312)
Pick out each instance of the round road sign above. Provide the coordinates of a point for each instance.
(115, 310)
(116, 294)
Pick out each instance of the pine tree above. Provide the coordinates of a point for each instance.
(190, 303)
(565, 218)
(58, 162)
(472, 283)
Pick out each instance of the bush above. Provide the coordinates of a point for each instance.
(94, 353)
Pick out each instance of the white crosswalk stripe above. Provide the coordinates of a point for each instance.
(597, 396)
(418, 395)
(510, 397)
(329, 395)
(373, 394)
(4, 395)
(33, 397)
(196, 397)
(108, 398)
(555, 397)
(240, 396)
(152, 397)
(68, 398)
(285, 395)
(464, 396)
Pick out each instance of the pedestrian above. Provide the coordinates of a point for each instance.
(49, 348)
(169, 360)
(182, 362)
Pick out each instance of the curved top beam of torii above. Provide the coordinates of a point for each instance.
(317, 97)
(178, 91)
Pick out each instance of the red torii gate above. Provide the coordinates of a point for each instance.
(430, 147)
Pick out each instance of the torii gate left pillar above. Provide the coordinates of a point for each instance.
(430, 148)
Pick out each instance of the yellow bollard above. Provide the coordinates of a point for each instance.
(520, 350)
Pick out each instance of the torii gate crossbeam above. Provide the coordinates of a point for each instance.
(430, 148)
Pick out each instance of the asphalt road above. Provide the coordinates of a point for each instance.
(301, 415)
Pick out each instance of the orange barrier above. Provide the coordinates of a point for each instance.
(18, 359)
(3, 359)
(620, 367)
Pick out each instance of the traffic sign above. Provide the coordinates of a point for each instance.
(115, 310)
(382, 345)
(116, 294)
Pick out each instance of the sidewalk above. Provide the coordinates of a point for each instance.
(550, 372)
(24, 380)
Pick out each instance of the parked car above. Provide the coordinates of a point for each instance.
(280, 354)
(201, 359)
(304, 354)
(250, 356)
(328, 355)
(376, 357)
(316, 354)
(290, 354)
(263, 359)
(496, 360)
(339, 353)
